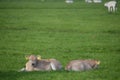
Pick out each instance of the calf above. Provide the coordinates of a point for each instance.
(111, 5)
(82, 65)
(36, 64)
(88, 1)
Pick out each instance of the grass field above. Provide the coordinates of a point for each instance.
(54, 29)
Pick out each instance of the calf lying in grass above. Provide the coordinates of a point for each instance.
(82, 65)
(36, 64)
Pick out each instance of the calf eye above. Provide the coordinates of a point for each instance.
(33, 64)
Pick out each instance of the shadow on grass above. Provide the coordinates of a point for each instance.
(51, 75)
(14, 75)
(54, 75)
(8, 75)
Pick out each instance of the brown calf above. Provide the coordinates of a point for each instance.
(82, 65)
(36, 64)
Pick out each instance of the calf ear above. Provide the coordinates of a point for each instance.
(98, 62)
(27, 57)
(38, 57)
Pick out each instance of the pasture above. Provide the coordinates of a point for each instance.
(54, 29)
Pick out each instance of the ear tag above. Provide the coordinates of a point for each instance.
(26, 57)
(98, 62)
(39, 57)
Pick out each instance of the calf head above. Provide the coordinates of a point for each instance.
(105, 5)
(33, 59)
(94, 63)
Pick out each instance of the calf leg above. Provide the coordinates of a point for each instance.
(109, 10)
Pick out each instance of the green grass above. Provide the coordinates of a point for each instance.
(62, 31)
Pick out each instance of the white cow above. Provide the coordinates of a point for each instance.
(111, 5)
(95, 1)
(88, 1)
(69, 1)
(82, 65)
(36, 64)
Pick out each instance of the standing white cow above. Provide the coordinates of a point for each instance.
(97, 1)
(69, 1)
(111, 5)
(88, 1)
(36, 64)
(93, 1)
